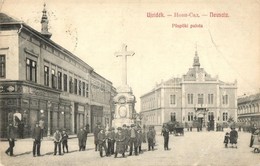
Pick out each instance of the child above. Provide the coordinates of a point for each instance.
(226, 139)
(65, 141)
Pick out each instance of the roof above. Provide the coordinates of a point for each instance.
(7, 19)
(250, 98)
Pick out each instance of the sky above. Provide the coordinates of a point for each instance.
(94, 30)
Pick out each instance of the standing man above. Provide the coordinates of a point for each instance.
(110, 141)
(81, 139)
(133, 140)
(125, 133)
(11, 139)
(165, 132)
(102, 142)
(37, 135)
(150, 137)
(57, 141)
(95, 132)
(85, 136)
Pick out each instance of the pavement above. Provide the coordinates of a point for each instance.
(192, 149)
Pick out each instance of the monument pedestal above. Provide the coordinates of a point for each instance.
(124, 107)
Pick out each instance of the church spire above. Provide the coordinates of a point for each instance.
(196, 60)
(44, 22)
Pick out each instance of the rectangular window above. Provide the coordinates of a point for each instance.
(172, 99)
(2, 66)
(31, 70)
(190, 116)
(200, 99)
(173, 116)
(83, 89)
(225, 99)
(65, 82)
(46, 76)
(71, 85)
(59, 80)
(190, 98)
(210, 98)
(53, 79)
(225, 116)
(87, 90)
(75, 86)
(79, 87)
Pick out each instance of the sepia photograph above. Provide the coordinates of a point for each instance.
(129, 82)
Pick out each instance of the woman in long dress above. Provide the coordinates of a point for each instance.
(120, 142)
(256, 142)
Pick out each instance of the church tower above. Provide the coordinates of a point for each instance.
(44, 22)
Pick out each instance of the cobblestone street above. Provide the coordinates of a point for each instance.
(194, 148)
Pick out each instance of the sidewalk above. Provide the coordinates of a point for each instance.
(72, 136)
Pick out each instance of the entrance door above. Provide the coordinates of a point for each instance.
(200, 120)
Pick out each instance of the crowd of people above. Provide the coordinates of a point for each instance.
(126, 139)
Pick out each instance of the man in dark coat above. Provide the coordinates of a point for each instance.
(57, 141)
(80, 136)
(120, 142)
(233, 137)
(37, 135)
(150, 138)
(165, 133)
(95, 132)
(126, 134)
(110, 141)
(139, 140)
(85, 136)
(102, 142)
(11, 139)
(64, 141)
(133, 140)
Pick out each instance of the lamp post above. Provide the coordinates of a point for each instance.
(49, 118)
(64, 122)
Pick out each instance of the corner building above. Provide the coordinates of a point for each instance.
(40, 81)
(195, 97)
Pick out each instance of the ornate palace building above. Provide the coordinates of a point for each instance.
(195, 97)
(248, 111)
(40, 81)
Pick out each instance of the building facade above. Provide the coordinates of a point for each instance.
(40, 81)
(248, 111)
(195, 97)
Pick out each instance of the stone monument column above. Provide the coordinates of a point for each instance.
(124, 100)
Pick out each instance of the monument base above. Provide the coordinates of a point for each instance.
(120, 122)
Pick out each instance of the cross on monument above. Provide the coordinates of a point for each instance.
(124, 53)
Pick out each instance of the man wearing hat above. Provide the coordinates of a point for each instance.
(95, 132)
(57, 141)
(110, 141)
(139, 140)
(102, 142)
(120, 142)
(11, 139)
(133, 136)
(37, 135)
(126, 134)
